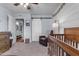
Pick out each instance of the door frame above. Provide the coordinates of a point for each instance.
(23, 25)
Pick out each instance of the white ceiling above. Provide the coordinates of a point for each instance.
(40, 9)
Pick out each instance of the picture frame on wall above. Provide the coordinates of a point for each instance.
(27, 23)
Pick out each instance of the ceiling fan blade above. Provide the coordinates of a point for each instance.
(16, 4)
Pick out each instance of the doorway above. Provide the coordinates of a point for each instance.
(19, 30)
(36, 29)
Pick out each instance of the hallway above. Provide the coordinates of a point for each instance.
(22, 49)
(55, 24)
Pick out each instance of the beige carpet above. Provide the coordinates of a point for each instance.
(22, 49)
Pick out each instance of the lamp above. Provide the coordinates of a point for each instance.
(55, 24)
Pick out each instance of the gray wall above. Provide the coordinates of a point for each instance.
(7, 23)
(68, 17)
(46, 26)
(3, 18)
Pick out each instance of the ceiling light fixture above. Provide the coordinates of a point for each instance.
(55, 24)
(27, 4)
(24, 4)
(21, 3)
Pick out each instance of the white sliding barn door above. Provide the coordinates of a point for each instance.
(36, 29)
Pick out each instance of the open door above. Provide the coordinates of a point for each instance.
(11, 27)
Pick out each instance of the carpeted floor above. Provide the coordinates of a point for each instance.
(22, 49)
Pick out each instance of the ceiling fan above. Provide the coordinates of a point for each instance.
(25, 5)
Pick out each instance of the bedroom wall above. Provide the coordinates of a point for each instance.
(67, 17)
(46, 26)
(3, 18)
(7, 15)
(7, 22)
